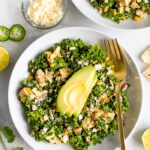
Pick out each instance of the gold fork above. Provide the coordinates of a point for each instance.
(116, 55)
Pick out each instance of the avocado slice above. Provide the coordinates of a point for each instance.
(82, 98)
(73, 95)
(86, 95)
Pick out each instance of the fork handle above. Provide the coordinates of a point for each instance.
(119, 115)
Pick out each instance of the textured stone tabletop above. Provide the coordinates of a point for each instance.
(133, 41)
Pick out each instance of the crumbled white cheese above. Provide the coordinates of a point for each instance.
(80, 62)
(45, 12)
(71, 58)
(85, 63)
(46, 117)
(94, 130)
(45, 129)
(69, 129)
(72, 48)
(65, 138)
(88, 138)
(34, 107)
(111, 87)
(80, 117)
(127, 9)
(51, 115)
(110, 71)
(106, 1)
(121, 9)
(98, 67)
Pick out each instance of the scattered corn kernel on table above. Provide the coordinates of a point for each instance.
(135, 42)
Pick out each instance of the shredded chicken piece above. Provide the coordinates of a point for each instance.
(98, 114)
(109, 116)
(48, 76)
(65, 72)
(141, 13)
(65, 138)
(52, 56)
(40, 77)
(40, 95)
(87, 123)
(77, 130)
(134, 4)
(104, 99)
(125, 2)
(25, 92)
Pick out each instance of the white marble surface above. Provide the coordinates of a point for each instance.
(133, 41)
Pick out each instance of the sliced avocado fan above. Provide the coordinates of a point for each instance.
(75, 92)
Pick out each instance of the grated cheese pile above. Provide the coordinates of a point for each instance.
(45, 12)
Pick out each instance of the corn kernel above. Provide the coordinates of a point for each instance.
(99, 83)
(123, 18)
(113, 66)
(52, 65)
(42, 119)
(111, 82)
(114, 12)
(105, 9)
(30, 77)
(28, 90)
(65, 131)
(48, 54)
(137, 18)
(107, 58)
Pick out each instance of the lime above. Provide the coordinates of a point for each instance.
(146, 139)
(4, 58)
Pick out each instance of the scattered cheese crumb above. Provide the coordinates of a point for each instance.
(80, 117)
(98, 67)
(34, 107)
(72, 48)
(65, 138)
(46, 117)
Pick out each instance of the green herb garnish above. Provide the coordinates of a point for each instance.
(9, 134)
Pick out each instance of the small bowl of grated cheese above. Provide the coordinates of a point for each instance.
(44, 14)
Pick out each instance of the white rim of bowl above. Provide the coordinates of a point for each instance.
(79, 28)
(107, 26)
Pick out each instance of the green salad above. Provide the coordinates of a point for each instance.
(49, 73)
(118, 10)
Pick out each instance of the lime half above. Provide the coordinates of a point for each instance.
(4, 58)
(146, 139)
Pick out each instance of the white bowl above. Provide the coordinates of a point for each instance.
(85, 7)
(20, 72)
